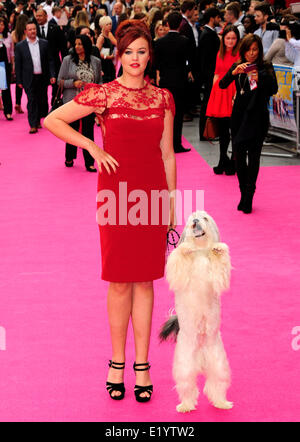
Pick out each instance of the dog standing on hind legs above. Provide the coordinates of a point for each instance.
(198, 271)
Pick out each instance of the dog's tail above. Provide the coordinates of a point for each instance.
(169, 328)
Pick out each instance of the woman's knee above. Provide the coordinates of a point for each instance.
(144, 285)
(121, 288)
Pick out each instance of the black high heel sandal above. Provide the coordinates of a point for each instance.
(110, 386)
(138, 389)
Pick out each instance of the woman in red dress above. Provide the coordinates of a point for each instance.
(221, 100)
(136, 161)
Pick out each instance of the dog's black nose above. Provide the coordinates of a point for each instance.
(195, 221)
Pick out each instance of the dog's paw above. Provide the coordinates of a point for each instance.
(185, 407)
(219, 248)
(223, 405)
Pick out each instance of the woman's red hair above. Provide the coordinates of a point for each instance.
(129, 31)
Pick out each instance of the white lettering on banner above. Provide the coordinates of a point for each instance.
(187, 202)
(2, 339)
(296, 340)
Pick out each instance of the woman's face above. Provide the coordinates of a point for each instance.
(252, 53)
(1, 27)
(107, 28)
(137, 9)
(247, 23)
(230, 40)
(79, 47)
(135, 57)
(160, 32)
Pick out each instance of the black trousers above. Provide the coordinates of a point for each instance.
(193, 93)
(54, 91)
(206, 94)
(6, 94)
(179, 99)
(247, 158)
(224, 137)
(87, 129)
(55, 85)
(37, 96)
(19, 92)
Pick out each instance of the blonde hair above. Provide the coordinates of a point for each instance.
(152, 12)
(105, 20)
(81, 19)
(158, 24)
(139, 4)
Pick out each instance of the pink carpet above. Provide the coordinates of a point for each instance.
(53, 302)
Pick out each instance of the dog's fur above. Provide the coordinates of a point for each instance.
(198, 271)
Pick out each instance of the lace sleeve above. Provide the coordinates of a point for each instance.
(92, 95)
(169, 101)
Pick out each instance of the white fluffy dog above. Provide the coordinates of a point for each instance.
(198, 270)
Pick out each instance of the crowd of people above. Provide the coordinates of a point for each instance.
(70, 43)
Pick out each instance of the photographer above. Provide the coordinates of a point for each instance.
(292, 49)
(30, 9)
(255, 82)
(276, 53)
(267, 31)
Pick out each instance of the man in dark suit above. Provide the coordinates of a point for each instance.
(51, 32)
(172, 53)
(209, 44)
(34, 68)
(117, 11)
(56, 15)
(188, 8)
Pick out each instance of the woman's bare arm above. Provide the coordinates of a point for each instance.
(168, 157)
(58, 121)
(112, 38)
(99, 42)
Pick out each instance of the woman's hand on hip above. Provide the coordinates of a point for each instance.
(103, 158)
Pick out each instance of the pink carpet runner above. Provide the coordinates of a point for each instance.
(53, 359)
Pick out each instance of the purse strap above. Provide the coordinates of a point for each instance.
(60, 89)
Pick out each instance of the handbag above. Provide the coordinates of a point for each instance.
(58, 101)
(211, 130)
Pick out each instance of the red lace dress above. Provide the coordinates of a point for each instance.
(132, 122)
(220, 100)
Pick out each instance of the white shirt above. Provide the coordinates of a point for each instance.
(196, 33)
(45, 26)
(292, 51)
(35, 55)
(194, 29)
(240, 27)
